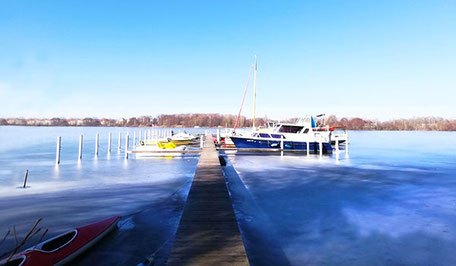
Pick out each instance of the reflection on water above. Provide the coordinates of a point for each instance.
(393, 202)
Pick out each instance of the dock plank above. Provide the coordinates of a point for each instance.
(208, 233)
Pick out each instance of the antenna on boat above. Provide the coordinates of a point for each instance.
(254, 94)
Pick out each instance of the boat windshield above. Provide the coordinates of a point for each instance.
(290, 129)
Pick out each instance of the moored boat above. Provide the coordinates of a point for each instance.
(183, 136)
(161, 149)
(178, 139)
(65, 247)
(306, 134)
(302, 135)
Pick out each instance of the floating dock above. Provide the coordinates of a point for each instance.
(208, 232)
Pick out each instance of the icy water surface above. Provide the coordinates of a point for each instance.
(392, 202)
(148, 194)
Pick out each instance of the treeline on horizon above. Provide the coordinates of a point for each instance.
(221, 120)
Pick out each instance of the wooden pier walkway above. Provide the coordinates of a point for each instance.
(208, 233)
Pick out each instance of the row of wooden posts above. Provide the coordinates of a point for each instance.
(320, 147)
(148, 134)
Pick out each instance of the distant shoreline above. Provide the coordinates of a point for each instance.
(422, 130)
(228, 121)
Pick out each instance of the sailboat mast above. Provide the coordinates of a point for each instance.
(243, 98)
(254, 94)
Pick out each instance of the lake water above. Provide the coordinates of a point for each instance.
(393, 201)
(149, 194)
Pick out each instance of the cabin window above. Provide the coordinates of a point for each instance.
(58, 242)
(276, 136)
(264, 135)
(255, 134)
(290, 129)
(306, 130)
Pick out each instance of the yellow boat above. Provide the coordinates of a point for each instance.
(157, 150)
(181, 141)
(166, 145)
(176, 142)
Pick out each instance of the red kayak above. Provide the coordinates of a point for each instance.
(65, 247)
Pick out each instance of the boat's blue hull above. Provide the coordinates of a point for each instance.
(254, 143)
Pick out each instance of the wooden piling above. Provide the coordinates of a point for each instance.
(320, 147)
(97, 139)
(119, 145)
(337, 150)
(126, 145)
(80, 147)
(109, 143)
(57, 153)
(25, 178)
(346, 145)
(281, 145)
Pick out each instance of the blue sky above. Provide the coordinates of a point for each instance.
(372, 59)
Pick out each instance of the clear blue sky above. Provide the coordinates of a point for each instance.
(372, 59)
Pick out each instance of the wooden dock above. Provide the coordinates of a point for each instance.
(208, 233)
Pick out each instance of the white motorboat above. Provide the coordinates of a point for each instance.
(302, 135)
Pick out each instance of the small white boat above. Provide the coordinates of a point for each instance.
(183, 136)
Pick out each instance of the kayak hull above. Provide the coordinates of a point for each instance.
(75, 242)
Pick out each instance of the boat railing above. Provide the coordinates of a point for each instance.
(339, 136)
(320, 137)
